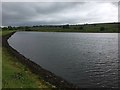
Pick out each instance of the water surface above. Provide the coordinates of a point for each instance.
(85, 59)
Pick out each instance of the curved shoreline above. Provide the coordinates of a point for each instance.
(35, 68)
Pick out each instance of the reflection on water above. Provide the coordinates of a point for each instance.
(85, 59)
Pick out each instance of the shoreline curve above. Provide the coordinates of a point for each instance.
(35, 68)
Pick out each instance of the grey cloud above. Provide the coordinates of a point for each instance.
(29, 13)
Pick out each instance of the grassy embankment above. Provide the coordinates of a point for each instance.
(0, 63)
(16, 75)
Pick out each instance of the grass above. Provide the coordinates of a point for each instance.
(0, 67)
(87, 28)
(5, 32)
(16, 75)
(0, 61)
(0, 33)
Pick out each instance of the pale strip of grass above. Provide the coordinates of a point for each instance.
(0, 67)
(5, 32)
(0, 59)
(0, 32)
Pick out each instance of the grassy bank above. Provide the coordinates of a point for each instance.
(0, 60)
(0, 67)
(5, 32)
(16, 75)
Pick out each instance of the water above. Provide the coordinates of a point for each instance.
(89, 60)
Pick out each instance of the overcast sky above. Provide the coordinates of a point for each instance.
(29, 13)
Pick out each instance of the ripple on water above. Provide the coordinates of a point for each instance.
(85, 59)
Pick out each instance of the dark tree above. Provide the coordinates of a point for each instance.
(4, 28)
(102, 29)
(94, 24)
(81, 28)
(27, 28)
(10, 27)
(66, 26)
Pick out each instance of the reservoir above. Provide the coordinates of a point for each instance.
(89, 60)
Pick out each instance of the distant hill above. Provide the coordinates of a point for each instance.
(91, 28)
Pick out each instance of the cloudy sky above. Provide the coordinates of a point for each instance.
(34, 13)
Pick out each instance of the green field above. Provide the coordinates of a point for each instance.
(89, 28)
(16, 75)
